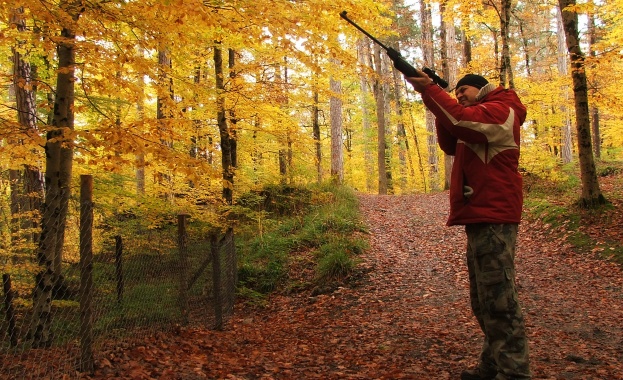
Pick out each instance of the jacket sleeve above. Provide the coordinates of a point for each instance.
(446, 141)
(471, 124)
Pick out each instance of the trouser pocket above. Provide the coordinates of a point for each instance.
(496, 291)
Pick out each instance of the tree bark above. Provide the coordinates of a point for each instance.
(428, 55)
(379, 96)
(226, 161)
(337, 141)
(52, 224)
(592, 40)
(164, 105)
(506, 71)
(591, 193)
(567, 139)
(27, 188)
(448, 64)
(365, 60)
(316, 133)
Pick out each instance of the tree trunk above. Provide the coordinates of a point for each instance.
(380, 117)
(233, 141)
(592, 40)
(27, 188)
(506, 71)
(401, 134)
(316, 134)
(467, 48)
(226, 162)
(164, 105)
(365, 60)
(567, 139)
(56, 184)
(139, 159)
(591, 194)
(335, 111)
(448, 64)
(428, 55)
(281, 80)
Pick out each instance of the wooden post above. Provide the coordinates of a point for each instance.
(183, 270)
(119, 267)
(8, 306)
(86, 274)
(216, 278)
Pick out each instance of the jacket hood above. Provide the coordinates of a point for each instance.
(491, 92)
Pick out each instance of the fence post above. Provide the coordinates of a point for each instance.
(86, 274)
(216, 281)
(8, 306)
(181, 239)
(119, 267)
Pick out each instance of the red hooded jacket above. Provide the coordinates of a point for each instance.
(485, 185)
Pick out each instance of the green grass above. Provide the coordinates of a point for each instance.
(142, 305)
(556, 204)
(326, 225)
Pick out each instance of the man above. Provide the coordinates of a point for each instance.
(481, 131)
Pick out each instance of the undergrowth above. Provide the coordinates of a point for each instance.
(556, 204)
(289, 225)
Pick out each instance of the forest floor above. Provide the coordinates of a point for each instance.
(405, 313)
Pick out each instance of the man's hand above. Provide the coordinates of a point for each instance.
(420, 82)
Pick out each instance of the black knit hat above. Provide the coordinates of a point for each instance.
(472, 80)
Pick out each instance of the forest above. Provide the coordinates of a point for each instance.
(201, 108)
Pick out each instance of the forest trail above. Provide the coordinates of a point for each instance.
(406, 314)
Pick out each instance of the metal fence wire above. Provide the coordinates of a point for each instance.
(149, 281)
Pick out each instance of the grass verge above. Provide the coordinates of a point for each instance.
(594, 230)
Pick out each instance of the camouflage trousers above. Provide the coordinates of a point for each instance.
(494, 301)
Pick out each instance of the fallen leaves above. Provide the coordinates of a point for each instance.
(408, 317)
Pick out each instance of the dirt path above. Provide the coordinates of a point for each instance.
(407, 316)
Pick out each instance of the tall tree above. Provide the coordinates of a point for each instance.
(316, 130)
(379, 96)
(448, 64)
(591, 193)
(592, 40)
(364, 57)
(26, 184)
(58, 141)
(506, 69)
(335, 110)
(226, 147)
(562, 63)
(429, 60)
(164, 113)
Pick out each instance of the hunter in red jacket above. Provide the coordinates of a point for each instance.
(481, 129)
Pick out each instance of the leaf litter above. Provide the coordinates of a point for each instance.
(404, 315)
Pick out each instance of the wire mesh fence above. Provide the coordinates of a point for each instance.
(55, 324)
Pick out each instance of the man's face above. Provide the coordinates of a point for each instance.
(466, 95)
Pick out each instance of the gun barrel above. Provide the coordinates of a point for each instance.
(343, 15)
